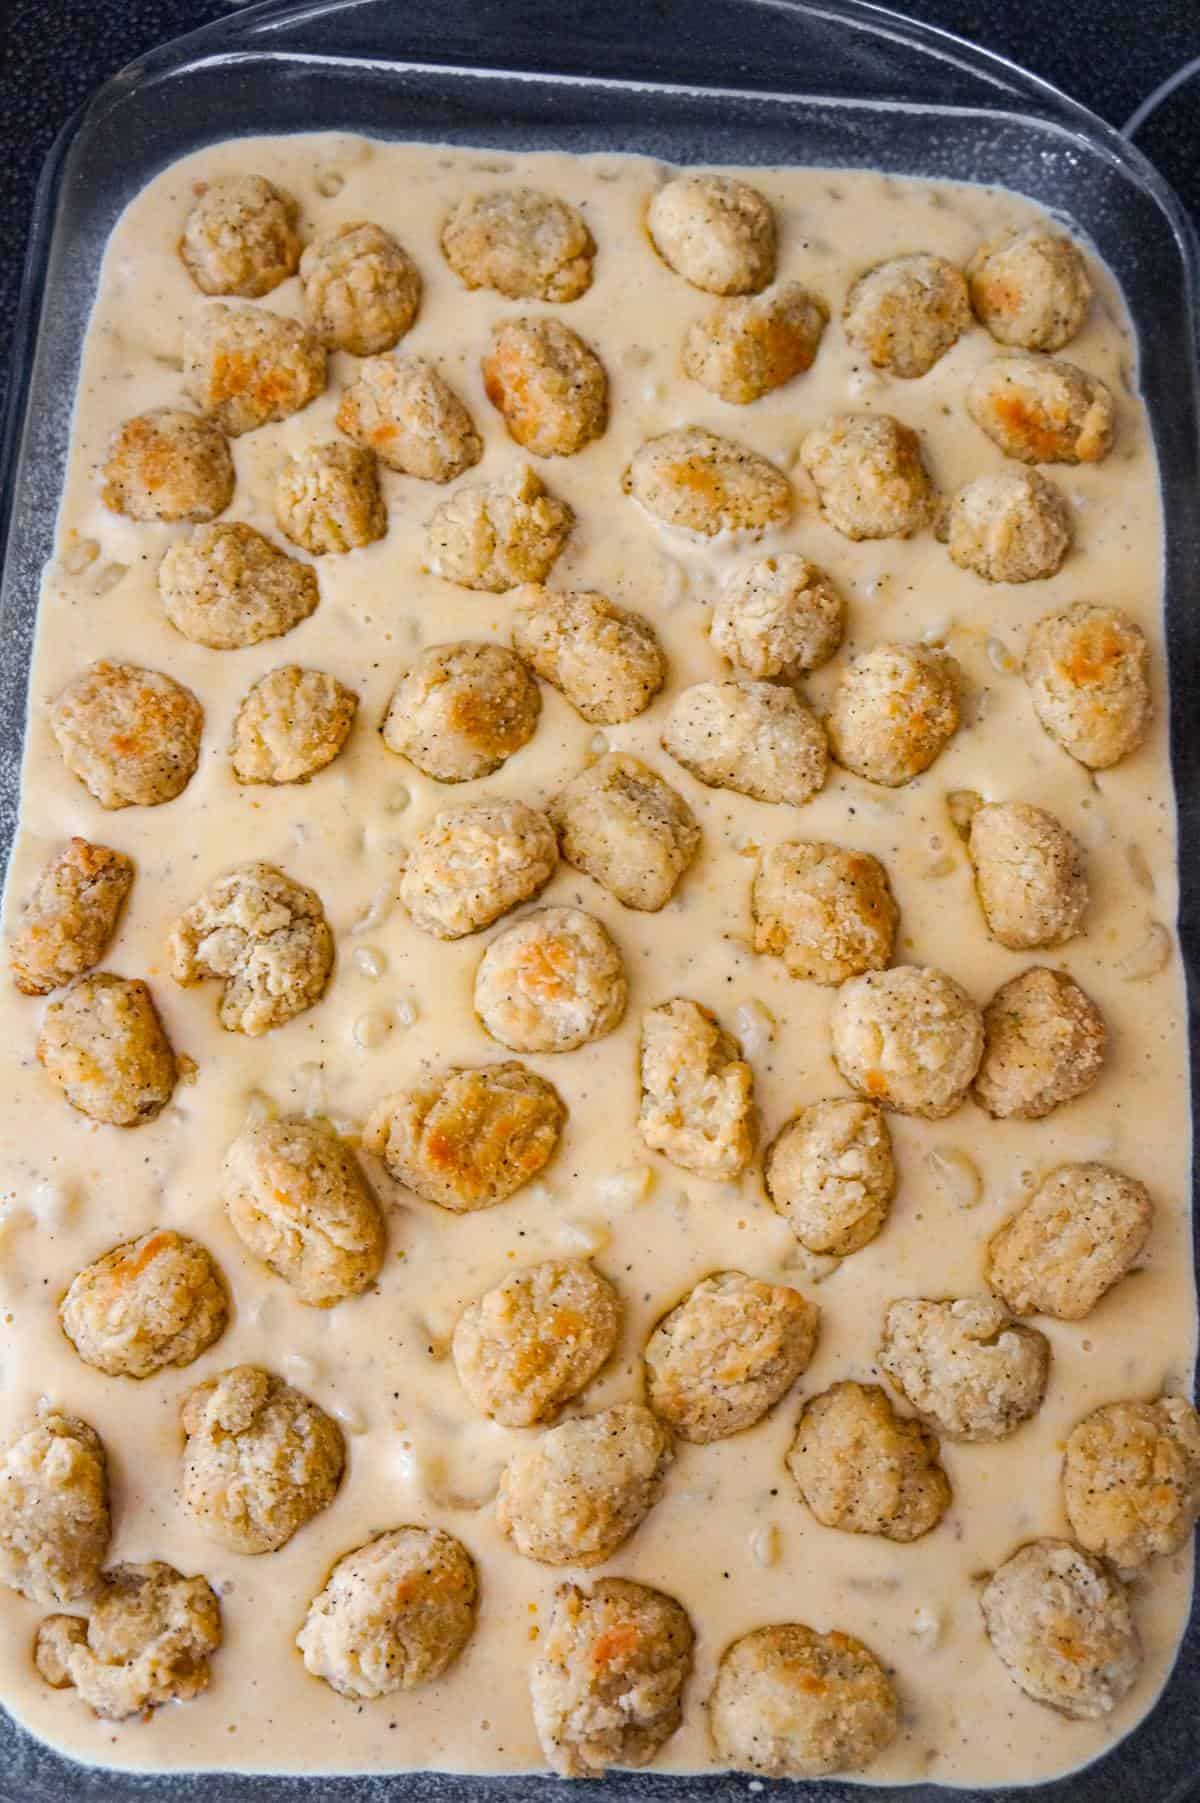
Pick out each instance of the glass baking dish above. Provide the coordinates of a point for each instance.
(836, 83)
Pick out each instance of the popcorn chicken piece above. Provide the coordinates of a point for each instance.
(910, 1038)
(716, 232)
(827, 912)
(755, 738)
(550, 983)
(131, 736)
(297, 1199)
(394, 1614)
(869, 475)
(71, 916)
(723, 1357)
(1042, 410)
(362, 290)
(148, 1641)
(745, 348)
(791, 1703)
(467, 1139)
(548, 385)
(1013, 527)
(104, 1045)
(475, 862)
(240, 237)
(830, 1173)
(965, 1367)
(907, 313)
(1061, 1625)
(150, 1303)
(778, 616)
(1045, 1044)
(292, 723)
(1131, 1479)
(1031, 288)
(703, 483)
(260, 1460)
(328, 501)
(894, 711)
(864, 1469)
(697, 1104)
(1088, 671)
(169, 465)
(605, 659)
(1082, 1229)
(247, 366)
(535, 1341)
(623, 825)
(607, 1684)
(54, 1514)
(1030, 875)
(409, 416)
(499, 535)
(462, 710)
(524, 243)
(227, 587)
(265, 937)
(575, 1494)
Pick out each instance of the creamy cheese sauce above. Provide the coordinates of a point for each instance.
(730, 1537)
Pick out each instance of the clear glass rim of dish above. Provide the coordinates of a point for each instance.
(559, 59)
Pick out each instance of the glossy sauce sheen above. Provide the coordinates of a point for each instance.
(417, 1452)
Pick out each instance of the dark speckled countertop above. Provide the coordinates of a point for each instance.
(1110, 54)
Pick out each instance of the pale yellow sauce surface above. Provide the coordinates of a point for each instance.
(417, 1453)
